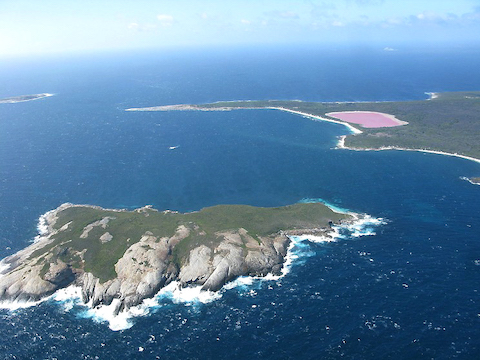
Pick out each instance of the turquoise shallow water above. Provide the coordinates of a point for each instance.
(410, 291)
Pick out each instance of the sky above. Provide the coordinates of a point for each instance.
(29, 27)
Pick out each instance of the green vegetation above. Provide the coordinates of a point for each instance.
(258, 222)
(449, 122)
(86, 251)
(100, 258)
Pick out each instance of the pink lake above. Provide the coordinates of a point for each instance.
(368, 119)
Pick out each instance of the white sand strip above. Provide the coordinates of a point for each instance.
(341, 145)
(316, 117)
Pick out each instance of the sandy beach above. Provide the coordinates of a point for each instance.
(316, 117)
(341, 145)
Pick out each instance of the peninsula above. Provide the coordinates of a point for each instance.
(446, 122)
(22, 98)
(131, 255)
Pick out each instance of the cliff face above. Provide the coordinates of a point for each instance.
(192, 253)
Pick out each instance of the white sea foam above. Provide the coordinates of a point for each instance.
(68, 297)
(242, 281)
(332, 207)
(15, 305)
(463, 178)
(106, 313)
(120, 321)
(188, 295)
(363, 226)
(315, 239)
(42, 226)
(341, 142)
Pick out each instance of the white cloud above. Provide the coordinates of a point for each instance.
(245, 22)
(165, 20)
(421, 16)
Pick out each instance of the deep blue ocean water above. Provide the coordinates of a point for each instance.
(410, 291)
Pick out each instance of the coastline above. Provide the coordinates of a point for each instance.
(352, 128)
(469, 180)
(184, 107)
(341, 141)
(341, 145)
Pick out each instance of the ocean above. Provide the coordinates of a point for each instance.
(410, 289)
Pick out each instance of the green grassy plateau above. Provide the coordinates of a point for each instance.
(127, 228)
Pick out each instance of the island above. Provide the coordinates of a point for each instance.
(445, 122)
(472, 180)
(22, 98)
(130, 255)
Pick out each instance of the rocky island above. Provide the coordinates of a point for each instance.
(131, 255)
(473, 180)
(22, 98)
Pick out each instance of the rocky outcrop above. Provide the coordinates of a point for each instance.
(25, 284)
